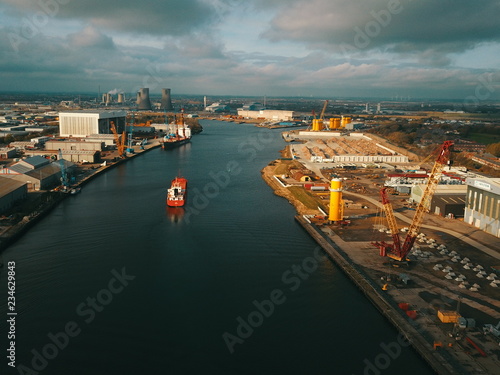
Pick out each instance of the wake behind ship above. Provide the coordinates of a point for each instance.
(178, 133)
(176, 194)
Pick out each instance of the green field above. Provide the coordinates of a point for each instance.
(302, 195)
(285, 166)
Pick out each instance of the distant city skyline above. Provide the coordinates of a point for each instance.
(299, 48)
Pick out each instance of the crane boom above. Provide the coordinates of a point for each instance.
(64, 173)
(430, 188)
(395, 250)
(120, 144)
(391, 221)
(323, 110)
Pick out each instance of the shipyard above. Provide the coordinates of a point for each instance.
(334, 172)
(294, 187)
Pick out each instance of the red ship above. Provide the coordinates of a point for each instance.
(176, 195)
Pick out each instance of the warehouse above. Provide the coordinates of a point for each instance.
(267, 114)
(85, 123)
(81, 156)
(37, 172)
(483, 204)
(448, 200)
(11, 192)
(74, 145)
(8, 152)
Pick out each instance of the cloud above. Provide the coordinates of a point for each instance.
(400, 26)
(153, 17)
(90, 37)
(130, 45)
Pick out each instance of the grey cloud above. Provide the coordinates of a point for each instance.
(416, 26)
(153, 17)
(90, 37)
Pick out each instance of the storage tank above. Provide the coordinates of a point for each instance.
(345, 120)
(316, 125)
(335, 213)
(334, 123)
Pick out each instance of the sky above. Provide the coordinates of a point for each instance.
(442, 49)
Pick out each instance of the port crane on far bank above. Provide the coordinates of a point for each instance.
(120, 144)
(396, 250)
(64, 173)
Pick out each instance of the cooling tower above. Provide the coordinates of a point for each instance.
(121, 98)
(143, 101)
(166, 100)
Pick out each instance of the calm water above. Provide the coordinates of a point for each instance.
(188, 278)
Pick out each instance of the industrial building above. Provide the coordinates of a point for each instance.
(333, 147)
(8, 152)
(483, 204)
(11, 192)
(267, 114)
(74, 145)
(85, 123)
(448, 200)
(217, 107)
(37, 172)
(76, 151)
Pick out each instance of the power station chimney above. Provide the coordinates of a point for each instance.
(143, 101)
(166, 100)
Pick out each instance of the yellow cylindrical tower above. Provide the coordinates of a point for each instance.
(345, 120)
(335, 213)
(316, 125)
(336, 123)
(331, 124)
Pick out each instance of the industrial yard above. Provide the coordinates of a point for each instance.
(447, 295)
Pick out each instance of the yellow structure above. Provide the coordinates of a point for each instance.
(334, 123)
(336, 203)
(317, 125)
(345, 120)
(448, 316)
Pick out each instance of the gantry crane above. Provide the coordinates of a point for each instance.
(64, 173)
(322, 115)
(120, 144)
(396, 250)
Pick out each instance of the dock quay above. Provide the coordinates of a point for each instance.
(411, 332)
(14, 232)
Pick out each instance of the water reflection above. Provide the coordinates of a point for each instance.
(175, 214)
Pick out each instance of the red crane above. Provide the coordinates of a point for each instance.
(396, 250)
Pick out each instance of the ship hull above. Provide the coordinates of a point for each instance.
(176, 194)
(168, 145)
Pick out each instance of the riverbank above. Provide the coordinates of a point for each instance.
(12, 233)
(443, 347)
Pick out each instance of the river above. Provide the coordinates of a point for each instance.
(111, 282)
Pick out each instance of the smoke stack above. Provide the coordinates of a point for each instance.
(166, 100)
(143, 101)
